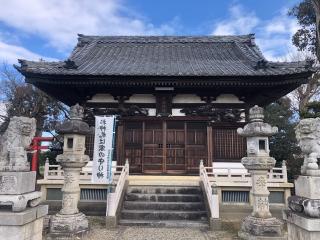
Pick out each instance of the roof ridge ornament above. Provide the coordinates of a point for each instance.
(70, 64)
(261, 64)
(309, 63)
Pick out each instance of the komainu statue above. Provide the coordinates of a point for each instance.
(308, 136)
(14, 142)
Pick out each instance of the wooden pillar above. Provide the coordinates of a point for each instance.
(209, 145)
(142, 146)
(164, 145)
(120, 144)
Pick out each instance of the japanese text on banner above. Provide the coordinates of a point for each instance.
(103, 149)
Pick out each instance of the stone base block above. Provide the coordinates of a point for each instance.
(308, 187)
(313, 172)
(215, 224)
(301, 226)
(111, 222)
(21, 201)
(258, 228)
(25, 167)
(26, 225)
(17, 182)
(68, 226)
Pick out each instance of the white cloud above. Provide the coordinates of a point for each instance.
(10, 53)
(273, 36)
(58, 21)
(239, 22)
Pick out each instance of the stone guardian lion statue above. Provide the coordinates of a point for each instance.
(14, 143)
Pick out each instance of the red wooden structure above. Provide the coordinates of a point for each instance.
(36, 147)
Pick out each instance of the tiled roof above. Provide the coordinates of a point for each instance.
(164, 56)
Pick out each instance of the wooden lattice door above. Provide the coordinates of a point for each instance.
(165, 146)
(196, 147)
(153, 147)
(133, 145)
(175, 147)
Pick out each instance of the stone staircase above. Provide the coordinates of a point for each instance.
(164, 206)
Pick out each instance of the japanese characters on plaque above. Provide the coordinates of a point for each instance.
(103, 149)
(7, 183)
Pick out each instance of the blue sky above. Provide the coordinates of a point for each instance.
(35, 29)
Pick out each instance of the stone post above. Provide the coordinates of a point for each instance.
(260, 224)
(21, 216)
(69, 222)
(303, 216)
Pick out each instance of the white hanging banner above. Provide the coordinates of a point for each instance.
(103, 149)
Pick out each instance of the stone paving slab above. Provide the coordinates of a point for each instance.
(98, 231)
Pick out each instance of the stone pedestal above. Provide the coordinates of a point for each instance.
(303, 216)
(69, 222)
(20, 216)
(17, 182)
(68, 226)
(25, 225)
(17, 190)
(301, 227)
(253, 228)
(308, 187)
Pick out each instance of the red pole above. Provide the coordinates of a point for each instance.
(35, 154)
(36, 149)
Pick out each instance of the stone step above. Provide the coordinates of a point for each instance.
(163, 190)
(163, 197)
(182, 206)
(163, 215)
(165, 223)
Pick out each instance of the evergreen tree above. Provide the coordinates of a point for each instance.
(283, 145)
(305, 37)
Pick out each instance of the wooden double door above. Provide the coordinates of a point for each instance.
(165, 146)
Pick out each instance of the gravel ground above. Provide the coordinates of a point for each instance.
(98, 231)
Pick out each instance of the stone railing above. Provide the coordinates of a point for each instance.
(210, 192)
(114, 199)
(219, 174)
(55, 172)
(215, 174)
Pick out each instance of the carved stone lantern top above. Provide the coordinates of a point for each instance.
(256, 114)
(76, 112)
(257, 133)
(75, 125)
(256, 127)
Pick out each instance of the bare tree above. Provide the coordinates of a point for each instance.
(309, 92)
(316, 6)
(23, 99)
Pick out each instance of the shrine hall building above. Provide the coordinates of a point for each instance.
(177, 99)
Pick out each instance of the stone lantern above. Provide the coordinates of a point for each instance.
(260, 224)
(69, 221)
